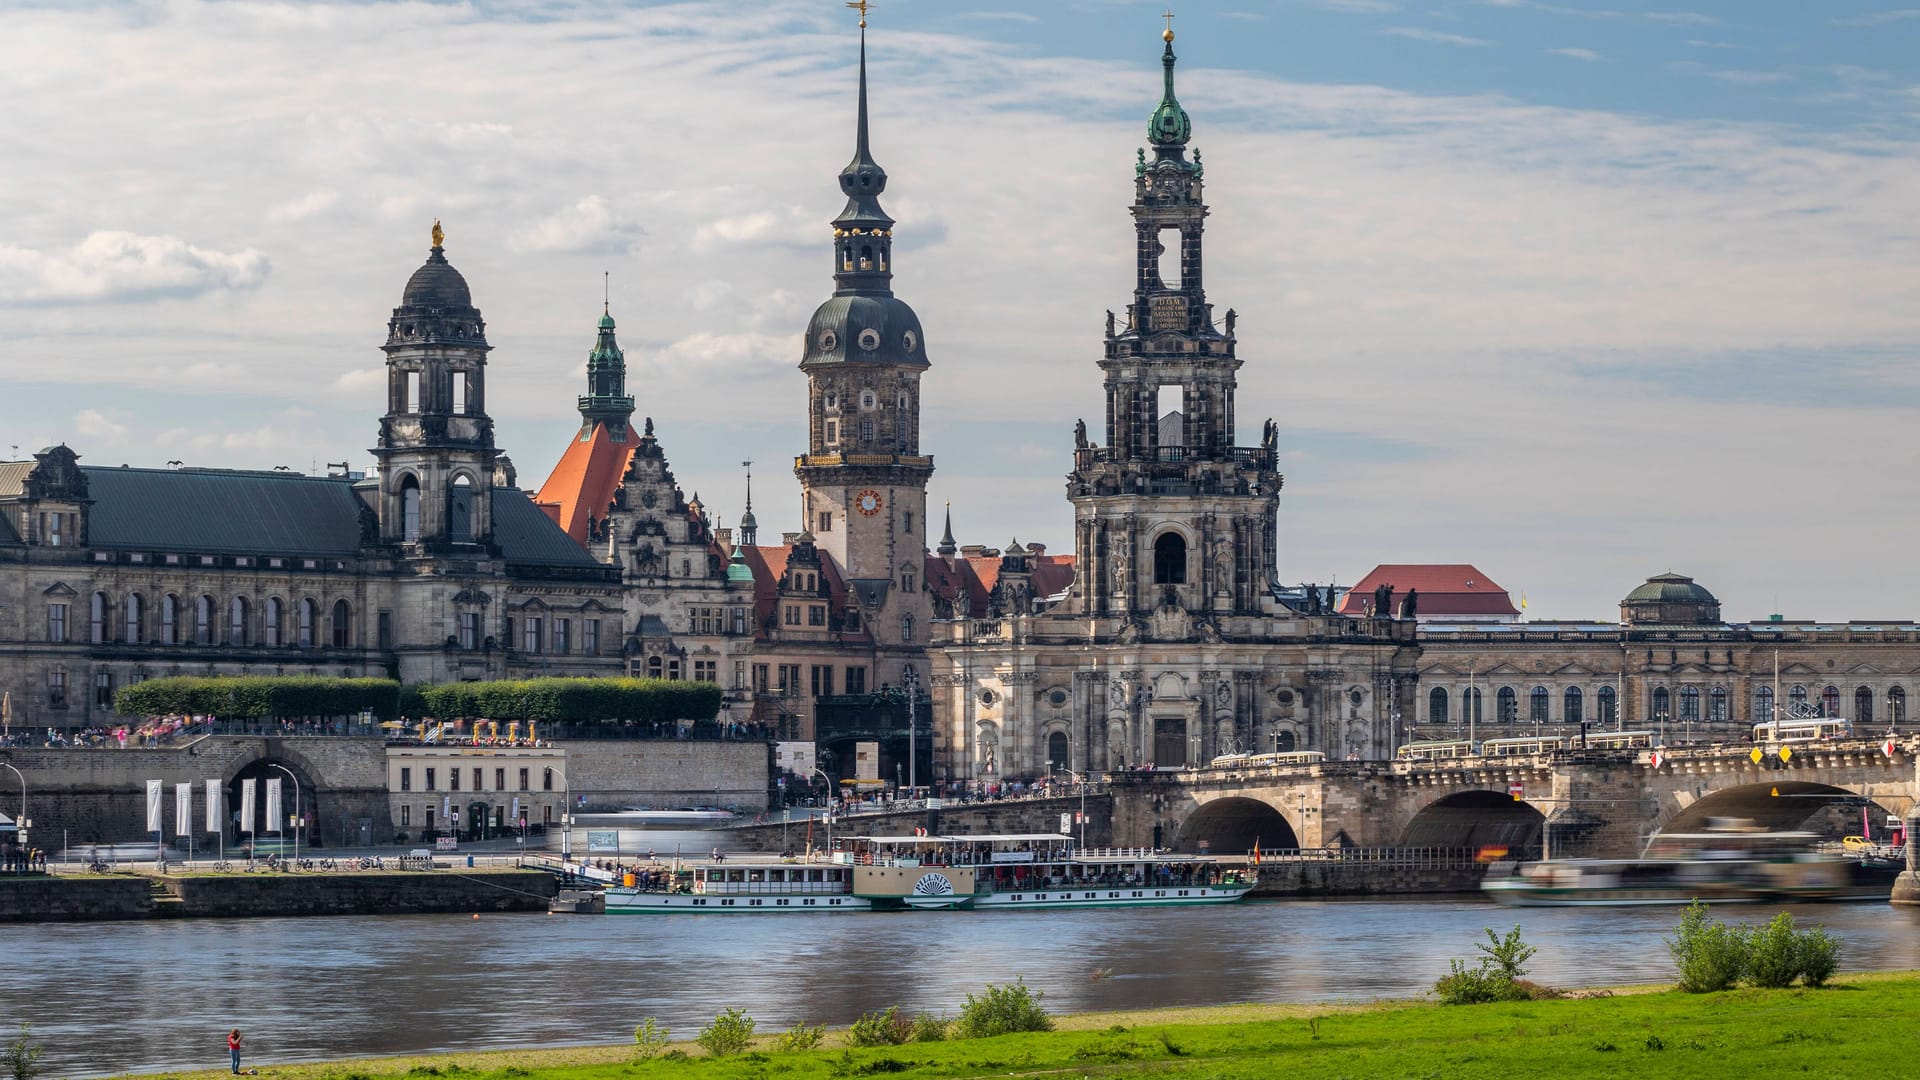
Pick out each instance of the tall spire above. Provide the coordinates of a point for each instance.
(947, 547)
(606, 400)
(749, 525)
(863, 233)
(1169, 129)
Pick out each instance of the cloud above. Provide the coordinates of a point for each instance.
(304, 207)
(96, 425)
(1356, 7)
(791, 225)
(1879, 18)
(1436, 37)
(1749, 78)
(122, 267)
(1683, 18)
(1575, 54)
(588, 227)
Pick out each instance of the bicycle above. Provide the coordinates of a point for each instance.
(223, 867)
(100, 866)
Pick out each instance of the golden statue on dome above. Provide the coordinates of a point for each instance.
(438, 236)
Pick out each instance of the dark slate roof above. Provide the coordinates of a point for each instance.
(437, 284)
(528, 537)
(217, 511)
(8, 537)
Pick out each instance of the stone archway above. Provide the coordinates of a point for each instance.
(1477, 819)
(304, 800)
(1233, 825)
(1780, 805)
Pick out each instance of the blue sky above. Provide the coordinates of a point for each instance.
(1575, 293)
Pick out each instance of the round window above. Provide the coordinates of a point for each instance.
(1355, 697)
(988, 697)
(869, 339)
(1285, 697)
(1058, 697)
(828, 340)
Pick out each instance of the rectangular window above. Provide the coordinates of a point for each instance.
(459, 392)
(833, 432)
(759, 678)
(406, 778)
(546, 779)
(793, 618)
(384, 629)
(826, 521)
(469, 630)
(562, 634)
(822, 677)
(406, 814)
(57, 689)
(56, 622)
(97, 620)
(907, 522)
(430, 779)
(790, 678)
(703, 671)
(523, 781)
(477, 773)
(739, 674)
(531, 642)
(816, 614)
(590, 637)
(906, 581)
(411, 402)
(103, 690)
(508, 639)
(499, 779)
(453, 779)
(429, 817)
(739, 620)
(856, 680)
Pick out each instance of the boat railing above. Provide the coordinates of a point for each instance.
(771, 888)
(1123, 853)
(1427, 858)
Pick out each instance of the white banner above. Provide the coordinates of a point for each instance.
(446, 807)
(275, 821)
(246, 804)
(154, 788)
(183, 809)
(516, 811)
(216, 806)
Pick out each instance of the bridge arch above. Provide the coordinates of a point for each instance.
(1474, 819)
(1235, 824)
(1779, 805)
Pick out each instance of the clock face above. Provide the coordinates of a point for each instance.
(867, 502)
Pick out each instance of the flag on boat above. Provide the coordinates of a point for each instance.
(1256, 851)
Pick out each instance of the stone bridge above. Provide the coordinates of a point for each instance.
(1569, 803)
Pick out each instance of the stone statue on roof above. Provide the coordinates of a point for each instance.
(1080, 426)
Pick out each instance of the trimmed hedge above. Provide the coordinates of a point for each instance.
(284, 696)
(578, 701)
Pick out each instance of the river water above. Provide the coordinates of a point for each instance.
(160, 995)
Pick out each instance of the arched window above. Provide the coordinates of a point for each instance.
(1283, 742)
(1662, 703)
(1863, 706)
(1170, 559)
(1897, 705)
(169, 620)
(308, 614)
(1473, 704)
(1574, 706)
(271, 625)
(906, 628)
(1507, 702)
(1762, 704)
(461, 508)
(1689, 703)
(653, 667)
(237, 621)
(1797, 699)
(1437, 705)
(136, 619)
(1539, 705)
(1717, 705)
(1057, 751)
(1830, 701)
(203, 621)
(97, 619)
(410, 510)
(342, 624)
(1609, 705)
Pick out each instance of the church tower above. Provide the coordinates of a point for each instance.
(1170, 512)
(436, 447)
(863, 478)
(606, 400)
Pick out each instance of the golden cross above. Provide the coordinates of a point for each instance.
(861, 7)
(1168, 15)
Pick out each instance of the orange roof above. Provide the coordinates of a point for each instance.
(769, 566)
(976, 575)
(583, 483)
(1445, 589)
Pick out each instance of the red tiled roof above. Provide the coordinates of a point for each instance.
(769, 565)
(583, 482)
(975, 576)
(1445, 589)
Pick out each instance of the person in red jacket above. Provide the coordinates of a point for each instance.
(233, 1049)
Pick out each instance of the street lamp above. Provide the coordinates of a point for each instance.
(20, 836)
(1081, 783)
(828, 780)
(299, 820)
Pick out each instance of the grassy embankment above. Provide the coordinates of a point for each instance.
(1857, 1028)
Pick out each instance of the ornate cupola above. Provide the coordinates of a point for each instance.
(606, 400)
(436, 447)
(863, 477)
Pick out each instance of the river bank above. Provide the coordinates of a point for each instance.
(1848, 1029)
(125, 895)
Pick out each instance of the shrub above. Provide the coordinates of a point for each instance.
(22, 1056)
(1773, 959)
(729, 1033)
(1495, 978)
(1710, 955)
(930, 1028)
(801, 1036)
(1001, 1010)
(1818, 954)
(884, 1028)
(649, 1039)
(1506, 954)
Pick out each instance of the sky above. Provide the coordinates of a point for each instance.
(1578, 292)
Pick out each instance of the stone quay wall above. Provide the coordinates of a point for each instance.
(613, 773)
(86, 898)
(75, 899)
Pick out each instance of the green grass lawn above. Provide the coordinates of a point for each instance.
(1858, 1028)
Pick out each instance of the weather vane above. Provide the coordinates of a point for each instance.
(861, 7)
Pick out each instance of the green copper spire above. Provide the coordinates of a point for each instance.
(1169, 128)
(606, 400)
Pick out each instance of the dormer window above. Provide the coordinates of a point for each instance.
(867, 400)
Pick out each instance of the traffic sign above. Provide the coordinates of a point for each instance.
(1786, 753)
(1756, 754)
(1654, 759)
(1888, 747)
(1516, 789)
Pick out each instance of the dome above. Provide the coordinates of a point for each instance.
(437, 284)
(737, 568)
(1670, 588)
(862, 329)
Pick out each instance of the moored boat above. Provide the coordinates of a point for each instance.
(1725, 865)
(1026, 871)
(732, 886)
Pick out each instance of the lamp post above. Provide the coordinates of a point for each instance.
(913, 691)
(1081, 783)
(828, 781)
(22, 825)
(299, 820)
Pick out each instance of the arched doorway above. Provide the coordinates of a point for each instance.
(304, 802)
(1477, 819)
(1233, 825)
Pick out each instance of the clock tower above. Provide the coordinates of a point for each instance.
(863, 478)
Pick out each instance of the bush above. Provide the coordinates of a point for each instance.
(1710, 955)
(1001, 1010)
(1773, 959)
(22, 1056)
(1496, 978)
(649, 1039)
(1818, 956)
(729, 1033)
(884, 1028)
(801, 1036)
(930, 1028)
